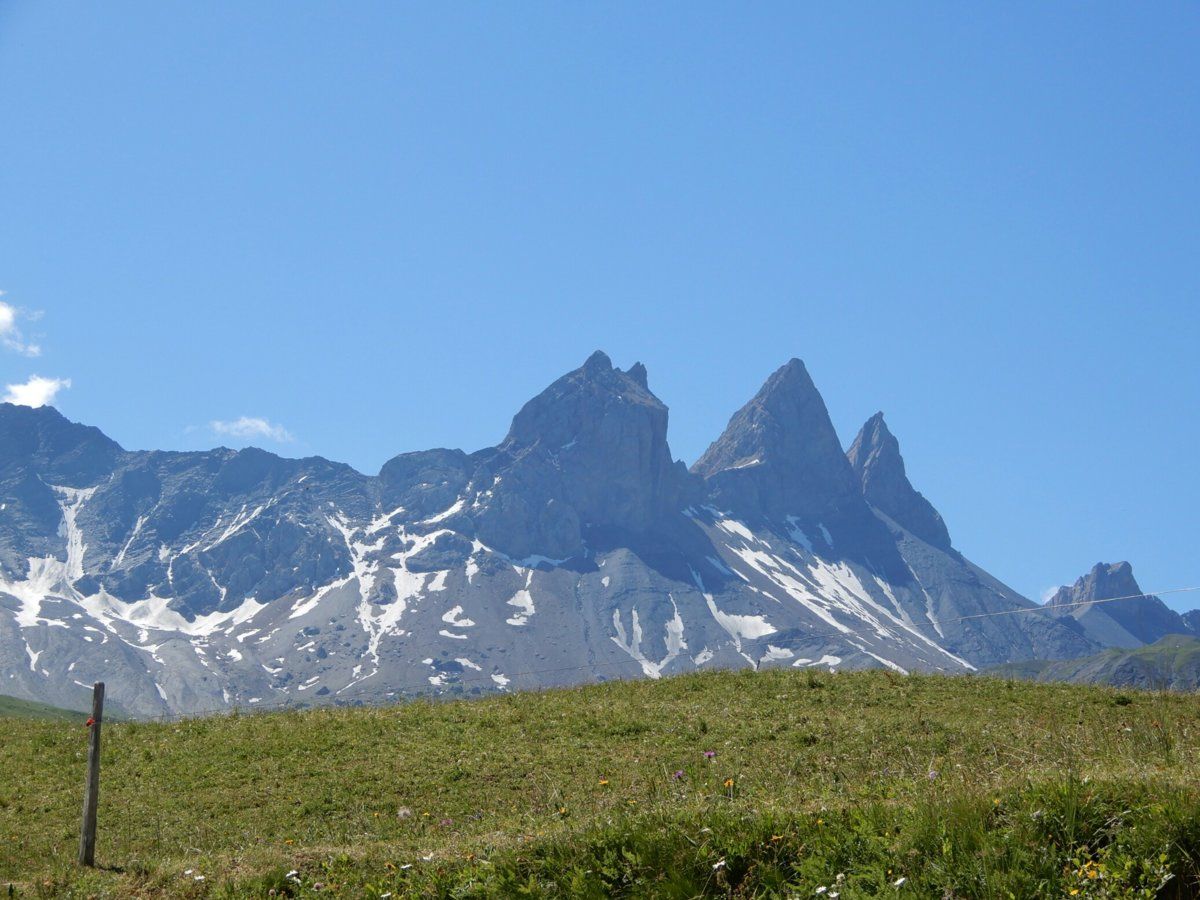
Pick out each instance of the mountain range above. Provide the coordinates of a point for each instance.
(576, 549)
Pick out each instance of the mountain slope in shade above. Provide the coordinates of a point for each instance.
(1191, 621)
(875, 458)
(1170, 663)
(1114, 622)
(576, 549)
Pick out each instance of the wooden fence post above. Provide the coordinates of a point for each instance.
(91, 792)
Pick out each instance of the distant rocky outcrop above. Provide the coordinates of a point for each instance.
(1094, 601)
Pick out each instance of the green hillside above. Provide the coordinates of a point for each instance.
(11, 707)
(720, 784)
(1170, 663)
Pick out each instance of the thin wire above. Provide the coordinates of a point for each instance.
(805, 638)
(1005, 612)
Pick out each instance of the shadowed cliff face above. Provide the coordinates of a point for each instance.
(875, 459)
(589, 451)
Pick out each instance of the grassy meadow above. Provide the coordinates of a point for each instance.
(742, 784)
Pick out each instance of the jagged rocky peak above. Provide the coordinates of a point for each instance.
(780, 453)
(1104, 582)
(876, 460)
(586, 404)
(1145, 618)
(590, 450)
(638, 373)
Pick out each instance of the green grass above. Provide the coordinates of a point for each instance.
(965, 787)
(11, 707)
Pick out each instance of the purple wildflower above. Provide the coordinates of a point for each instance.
(678, 775)
(710, 754)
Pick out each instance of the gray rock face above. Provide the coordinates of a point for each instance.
(1124, 623)
(875, 458)
(590, 450)
(576, 549)
(780, 455)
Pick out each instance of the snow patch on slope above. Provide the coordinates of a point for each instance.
(632, 643)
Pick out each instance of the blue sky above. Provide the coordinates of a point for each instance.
(379, 227)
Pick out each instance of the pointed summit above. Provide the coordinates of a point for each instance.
(597, 362)
(781, 448)
(876, 460)
(780, 459)
(1117, 622)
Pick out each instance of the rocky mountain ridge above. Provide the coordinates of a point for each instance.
(577, 548)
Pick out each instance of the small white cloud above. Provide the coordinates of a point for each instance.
(1047, 593)
(37, 391)
(10, 334)
(248, 428)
